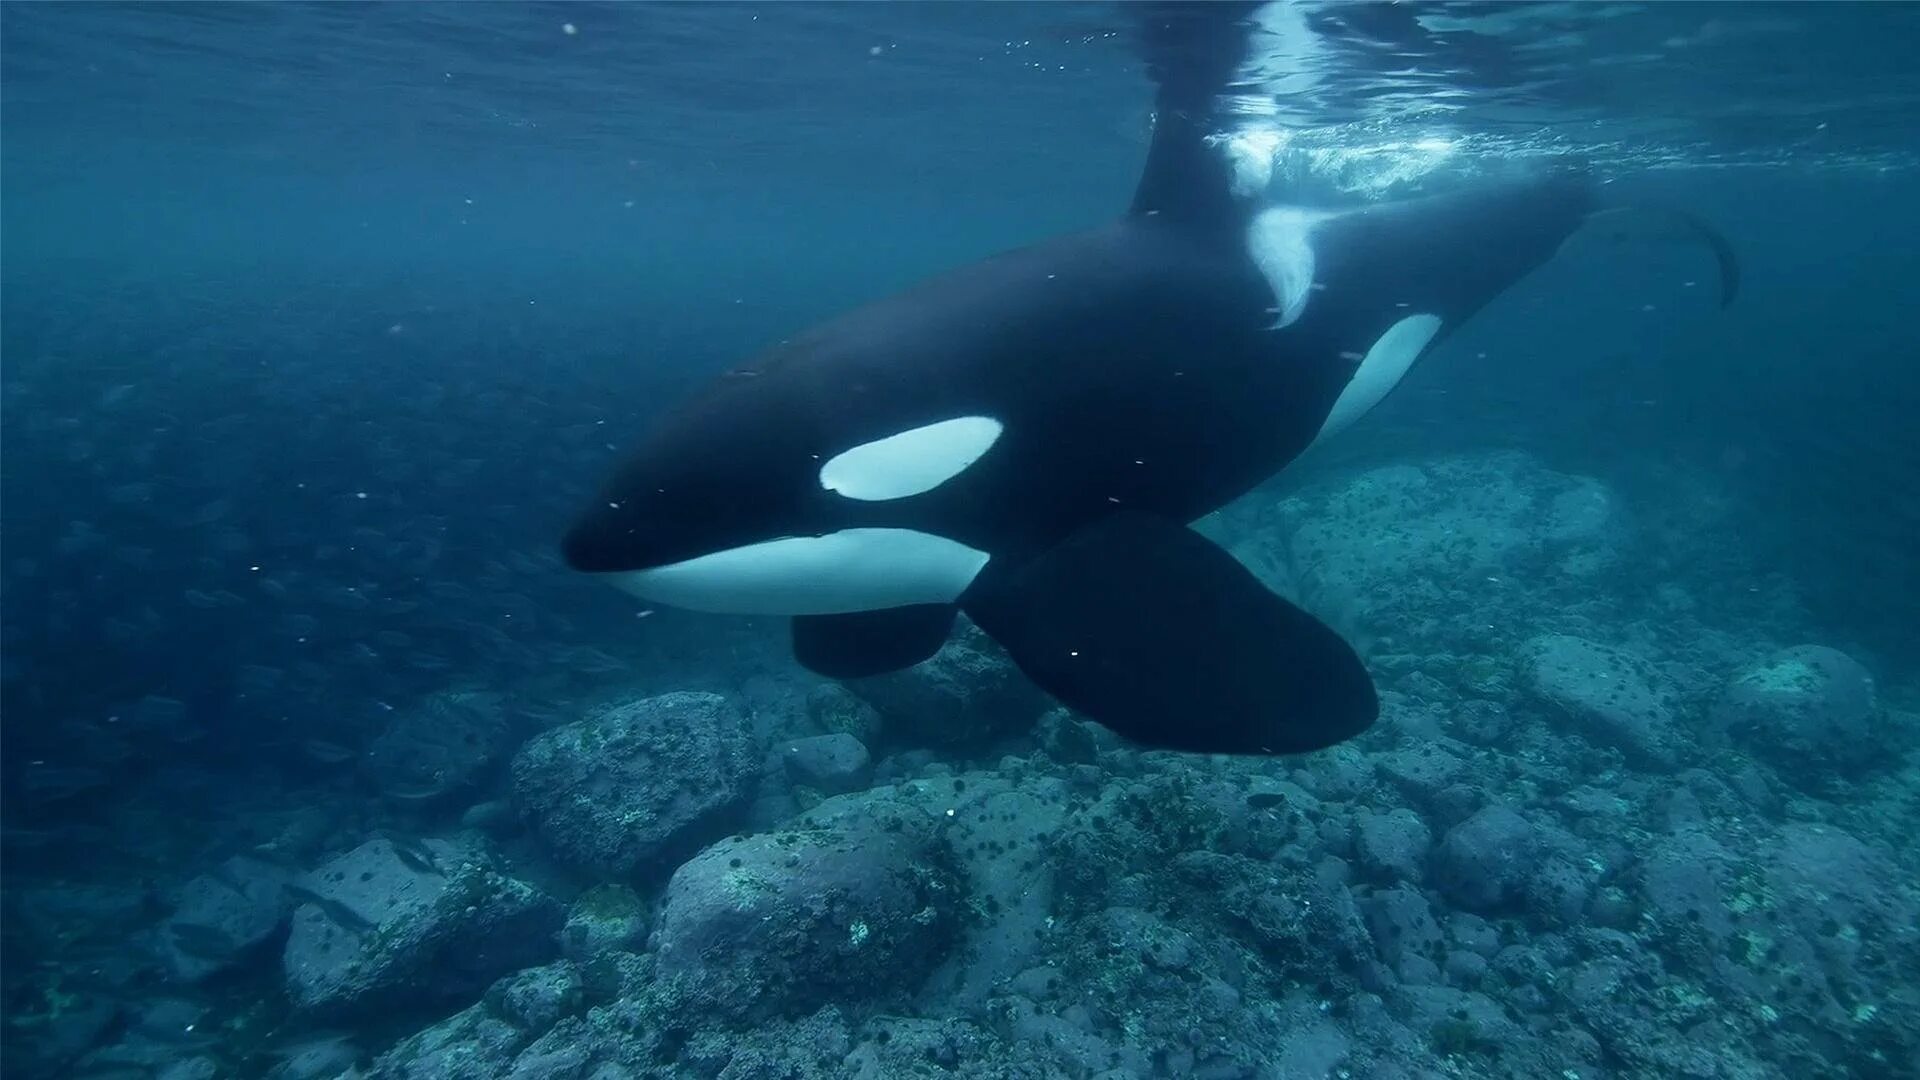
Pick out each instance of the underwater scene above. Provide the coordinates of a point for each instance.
(1287, 541)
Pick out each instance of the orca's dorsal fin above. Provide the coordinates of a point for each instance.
(1646, 221)
(1192, 51)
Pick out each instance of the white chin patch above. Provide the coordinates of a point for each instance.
(1380, 371)
(850, 570)
(910, 462)
(1280, 242)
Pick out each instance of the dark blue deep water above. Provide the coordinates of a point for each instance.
(319, 321)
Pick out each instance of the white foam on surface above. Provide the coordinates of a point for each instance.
(1280, 240)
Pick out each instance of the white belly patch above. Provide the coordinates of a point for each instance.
(850, 570)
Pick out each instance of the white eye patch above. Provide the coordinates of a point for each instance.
(910, 462)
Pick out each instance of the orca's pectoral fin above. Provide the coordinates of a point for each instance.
(1668, 224)
(1146, 627)
(871, 642)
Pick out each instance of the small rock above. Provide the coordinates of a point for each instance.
(1455, 803)
(495, 817)
(829, 764)
(1581, 514)
(1392, 846)
(1481, 722)
(605, 918)
(1069, 740)
(1474, 934)
(1135, 933)
(536, 999)
(1420, 774)
(1560, 891)
(1611, 907)
(1464, 968)
(836, 710)
(1340, 772)
(1484, 863)
(1403, 927)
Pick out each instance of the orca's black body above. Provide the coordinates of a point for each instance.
(1106, 388)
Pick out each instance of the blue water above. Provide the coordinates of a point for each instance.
(318, 321)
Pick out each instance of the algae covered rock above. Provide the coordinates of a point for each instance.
(778, 921)
(829, 764)
(223, 917)
(836, 710)
(1409, 938)
(1617, 699)
(410, 922)
(638, 786)
(1804, 708)
(445, 744)
(1392, 846)
(1485, 862)
(1408, 550)
(608, 917)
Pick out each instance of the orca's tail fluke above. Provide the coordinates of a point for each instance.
(1665, 224)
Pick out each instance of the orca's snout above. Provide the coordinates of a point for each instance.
(601, 541)
(577, 548)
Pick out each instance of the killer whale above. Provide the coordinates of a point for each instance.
(1025, 439)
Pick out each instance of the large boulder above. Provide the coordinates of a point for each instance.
(778, 922)
(1419, 551)
(414, 922)
(1615, 698)
(632, 790)
(224, 917)
(996, 832)
(1808, 709)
